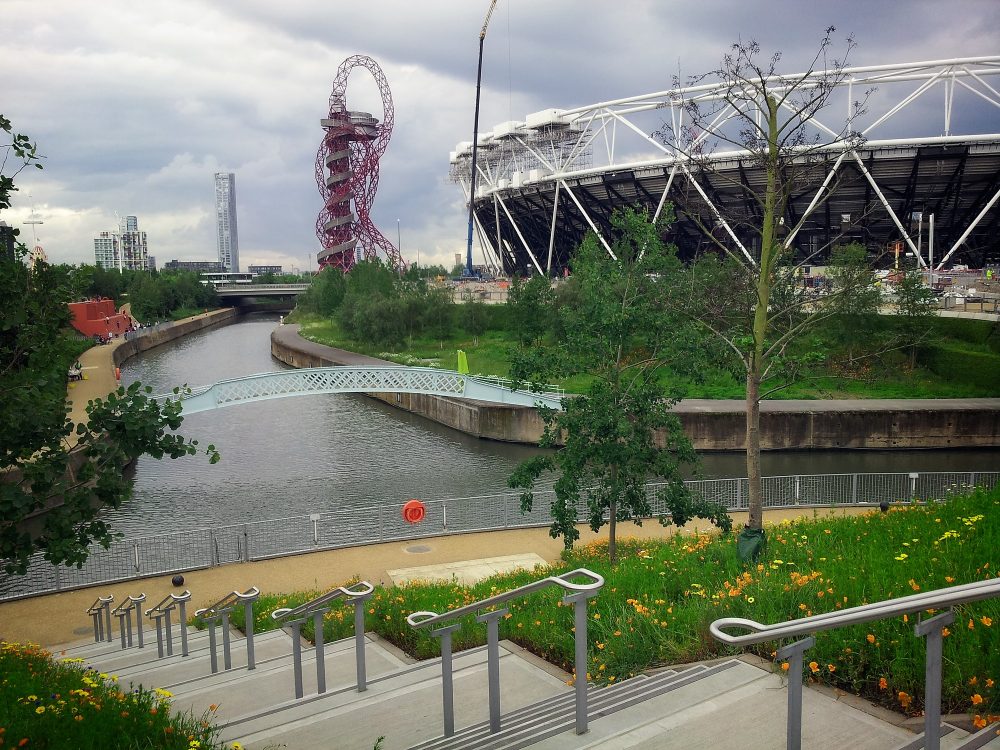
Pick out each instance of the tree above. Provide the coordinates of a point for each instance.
(916, 307)
(56, 477)
(528, 305)
(611, 435)
(771, 121)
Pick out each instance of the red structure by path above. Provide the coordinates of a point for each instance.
(346, 169)
(99, 318)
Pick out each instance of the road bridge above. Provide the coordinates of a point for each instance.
(236, 292)
(389, 379)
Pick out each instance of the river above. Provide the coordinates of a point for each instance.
(311, 454)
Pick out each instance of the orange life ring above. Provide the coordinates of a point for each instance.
(414, 511)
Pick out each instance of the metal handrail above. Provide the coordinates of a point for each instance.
(310, 606)
(294, 617)
(220, 611)
(160, 613)
(100, 603)
(932, 628)
(229, 601)
(578, 595)
(173, 600)
(937, 599)
(432, 618)
(102, 625)
(124, 614)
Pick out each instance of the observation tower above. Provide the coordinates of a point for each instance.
(347, 172)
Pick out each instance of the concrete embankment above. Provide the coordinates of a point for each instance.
(99, 362)
(713, 425)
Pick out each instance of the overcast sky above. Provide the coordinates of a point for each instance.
(137, 104)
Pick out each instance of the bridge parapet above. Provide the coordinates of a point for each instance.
(390, 379)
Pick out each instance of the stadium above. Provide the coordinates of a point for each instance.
(920, 173)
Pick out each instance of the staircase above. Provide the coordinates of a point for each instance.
(731, 704)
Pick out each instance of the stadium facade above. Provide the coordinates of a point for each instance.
(928, 143)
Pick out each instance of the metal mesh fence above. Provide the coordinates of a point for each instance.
(199, 548)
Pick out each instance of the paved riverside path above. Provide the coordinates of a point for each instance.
(59, 618)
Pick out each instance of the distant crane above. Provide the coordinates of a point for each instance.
(475, 141)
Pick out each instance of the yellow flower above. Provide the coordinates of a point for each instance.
(237, 746)
(883, 683)
(784, 666)
(973, 680)
(979, 722)
(977, 699)
(40, 710)
(987, 621)
(814, 667)
(904, 699)
(871, 638)
(945, 632)
(831, 667)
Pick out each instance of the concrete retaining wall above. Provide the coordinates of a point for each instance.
(715, 426)
(170, 331)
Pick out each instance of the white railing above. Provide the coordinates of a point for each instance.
(931, 628)
(163, 553)
(489, 611)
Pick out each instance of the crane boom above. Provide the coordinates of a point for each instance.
(489, 13)
(475, 140)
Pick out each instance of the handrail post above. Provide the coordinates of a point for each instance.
(447, 683)
(107, 620)
(320, 656)
(296, 626)
(227, 659)
(159, 636)
(98, 627)
(184, 628)
(170, 633)
(579, 602)
(932, 629)
(359, 642)
(492, 620)
(793, 652)
(248, 627)
(213, 651)
(122, 629)
(138, 621)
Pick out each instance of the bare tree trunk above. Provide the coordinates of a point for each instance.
(754, 494)
(612, 527)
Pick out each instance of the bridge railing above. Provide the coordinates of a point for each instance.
(163, 553)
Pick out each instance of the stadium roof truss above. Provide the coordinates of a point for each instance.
(928, 143)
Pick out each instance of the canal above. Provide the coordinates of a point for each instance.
(313, 454)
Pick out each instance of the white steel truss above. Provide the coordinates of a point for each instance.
(318, 380)
(551, 151)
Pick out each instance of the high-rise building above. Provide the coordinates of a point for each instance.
(124, 249)
(225, 221)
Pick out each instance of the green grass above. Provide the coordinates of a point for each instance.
(963, 362)
(658, 602)
(48, 702)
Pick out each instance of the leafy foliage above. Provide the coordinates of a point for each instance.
(615, 327)
(56, 477)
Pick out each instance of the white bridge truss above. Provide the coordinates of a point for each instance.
(318, 380)
(930, 143)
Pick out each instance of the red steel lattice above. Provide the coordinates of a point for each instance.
(347, 169)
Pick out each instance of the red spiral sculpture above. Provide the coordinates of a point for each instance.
(346, 169)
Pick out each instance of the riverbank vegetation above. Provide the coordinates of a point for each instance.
(52, 702)
(954, 358)
(659, 599)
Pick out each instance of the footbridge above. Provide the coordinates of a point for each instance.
(316, 380)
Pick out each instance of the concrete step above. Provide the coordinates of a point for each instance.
(91, 650)
(241, 693)
(551, 718)
(988, 738)
(742, 707)
(404, 707)
(178, 669)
